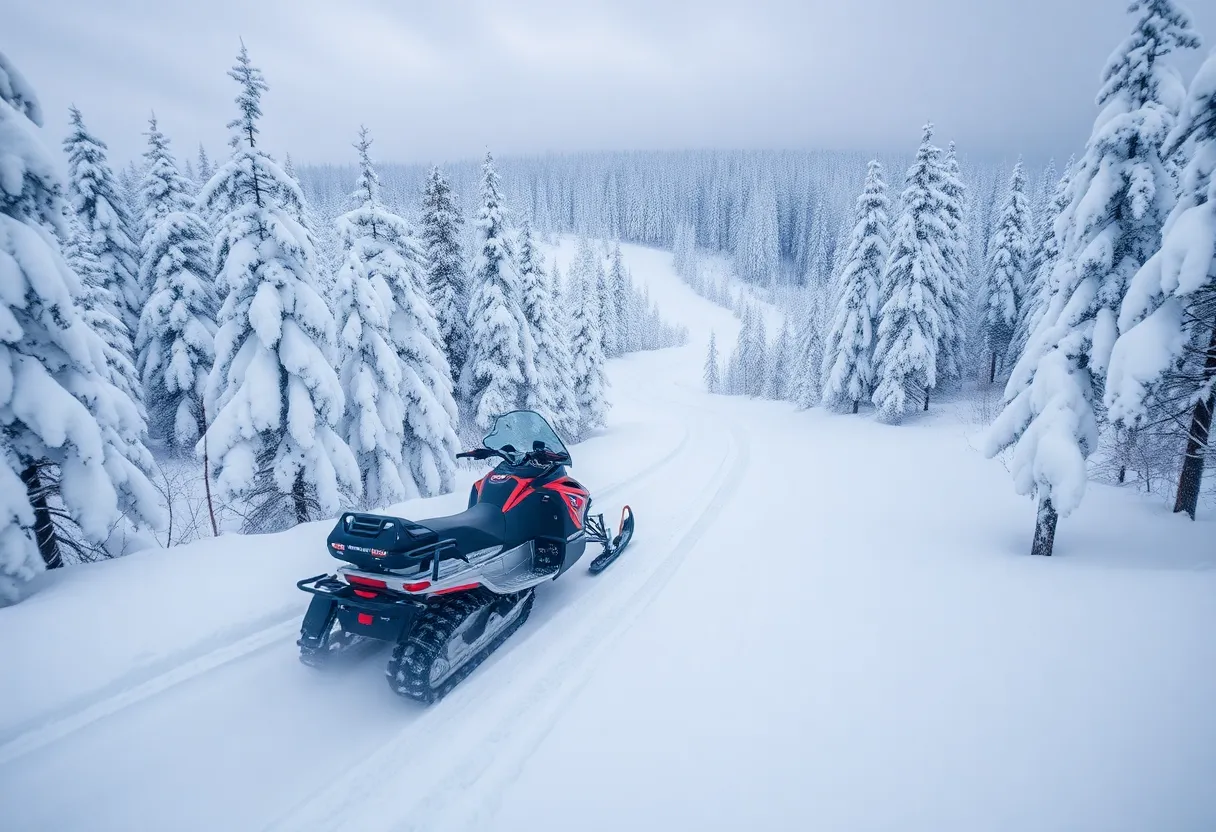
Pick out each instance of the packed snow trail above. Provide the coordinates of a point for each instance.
(821, 622)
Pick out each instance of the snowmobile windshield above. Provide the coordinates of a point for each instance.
(520, 432)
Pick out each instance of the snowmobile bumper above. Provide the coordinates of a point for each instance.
(381, 617)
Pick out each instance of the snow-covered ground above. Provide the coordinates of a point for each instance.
(823, 622)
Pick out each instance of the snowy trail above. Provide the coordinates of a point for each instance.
(253, 699)
(822, 622)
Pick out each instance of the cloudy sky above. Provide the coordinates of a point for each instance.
(444, 79)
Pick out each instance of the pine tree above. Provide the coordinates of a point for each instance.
(66, 488)
(713, 367)
(951, 345)
(445, 275)
(777, 370)
(394, 258)
(621, 339)
(610, 319)
(175, 343)
(500, 360)
(102, 212)
(553, 396)
(805, 388)
(1117, 201)
(273, 394)
(587, 350)
(1007, 270)
(1042, 264)
(204, 170)
(909, 324)
(757, 256)
(848, 375)
(1165, 358)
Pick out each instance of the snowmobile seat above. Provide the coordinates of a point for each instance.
(480, 527)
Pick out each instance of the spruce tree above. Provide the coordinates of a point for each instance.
(273, 394)
(500, 360)
(777, 369)
(848, 376)
(712, 375)
(956, 293)
(1164, 361)
(108, 226)
(909, 324)
(1042, 264)
(553, 394)
(445, 269)
(175, 343)
(204, 170)
(1008, 259)
(1117, 201)
(67, 490)
(587, 350)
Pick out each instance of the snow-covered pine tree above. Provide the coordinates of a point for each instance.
(64, 485)
(273, 395)
(587, 348)
(393, 261)
(553, 395)
(1042, 263)
(618, 289)
(1165, 357)
(712, 375)
(1008, 259)
(445, 269)
(777, 369)
(500, 363)
(956, 295)
(103, 213)
(175, 343)
(757, 255)
(204, 170)
(1117, 201)
(610, 318)
(805, 387)
(848, 375)
(909, 323)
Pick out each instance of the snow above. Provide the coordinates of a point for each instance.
(791, 642)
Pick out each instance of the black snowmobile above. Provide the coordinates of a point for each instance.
(448, 591)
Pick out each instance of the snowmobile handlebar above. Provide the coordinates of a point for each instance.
(542, 456)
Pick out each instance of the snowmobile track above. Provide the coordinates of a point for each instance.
(484, 739)
(56, 727)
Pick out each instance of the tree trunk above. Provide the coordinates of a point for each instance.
(1122, 474)
(44, 527)
(1044, 528)
(855, 403)
(202, 426)
(300, 498)
(1197, 441)
(992, 369)
(926, 399)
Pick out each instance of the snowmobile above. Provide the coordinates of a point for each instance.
(448, 591)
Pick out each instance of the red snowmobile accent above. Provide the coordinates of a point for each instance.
(574, 496)
(523, 488)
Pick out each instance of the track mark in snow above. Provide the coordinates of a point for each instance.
(35, 738)
(483, 737)
(44, 735)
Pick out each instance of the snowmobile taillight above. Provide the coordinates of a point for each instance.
(366, 619)
(460, 588)
(338, 547)
(417, 587)
(366, 593)
(362, 581)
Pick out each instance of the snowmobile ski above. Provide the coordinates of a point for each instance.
(614, 547)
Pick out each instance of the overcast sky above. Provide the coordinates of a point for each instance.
(444, 79)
